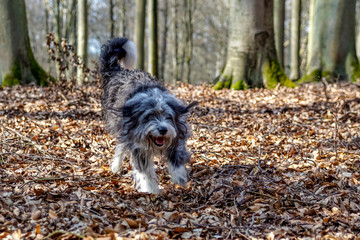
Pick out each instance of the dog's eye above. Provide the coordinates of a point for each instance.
(149, 117)
(169, 117)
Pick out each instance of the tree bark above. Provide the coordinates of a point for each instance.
(112, 20)
(175, 39)
(251, 59)
(82, 40)
(295, 40)
(164, 41)
(279, 20)
(17, 62)
(188, 5)
(332, 41)
(123, 22)
(153, 66)
(140, 32)
(70, 18)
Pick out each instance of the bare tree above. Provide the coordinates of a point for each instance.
(82, 40)
(189, 30)
(175, 42)
(112, 20)
(140, 32)
(164, 40)
(123, 22)
(153, 39)
(279, 20)
(17, 62)
(295, 39)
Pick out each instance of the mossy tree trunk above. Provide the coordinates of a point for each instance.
(140, 32)
(17, 62)
(251, 59)
(331, 52)
(153, 65)
(82, 40)
(279, 22)
(295, 39)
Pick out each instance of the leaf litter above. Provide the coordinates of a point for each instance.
(266, 164)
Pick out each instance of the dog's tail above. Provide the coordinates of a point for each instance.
(117, 51)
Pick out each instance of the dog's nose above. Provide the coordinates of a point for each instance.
(162, 130)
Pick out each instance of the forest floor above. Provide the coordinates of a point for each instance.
(266, 164)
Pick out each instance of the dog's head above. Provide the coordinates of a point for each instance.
(155, 118)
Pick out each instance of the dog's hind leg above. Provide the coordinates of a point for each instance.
(118, 158)
(144, 173)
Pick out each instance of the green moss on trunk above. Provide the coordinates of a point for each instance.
(224, 82)
(314, 76)
(273, 74)
(12, 78)
(239, 85)
(355, 75)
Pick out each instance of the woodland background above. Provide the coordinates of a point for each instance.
(277, 160)
(191, 37)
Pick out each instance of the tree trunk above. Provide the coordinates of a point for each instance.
(82, 40)
(295, 40)
(251, 59)
(17, 62)
(188, 5)
(175, 43)
(140, 32)
(357, 17)
(279, 20)
(332, 41)
(164, 41)
(112, 20)
(123, 22)
(153, 39)
(58, 36)
(70, 18)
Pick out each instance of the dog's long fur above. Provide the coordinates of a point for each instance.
(144, 116)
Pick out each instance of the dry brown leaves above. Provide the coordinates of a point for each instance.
(269, 164)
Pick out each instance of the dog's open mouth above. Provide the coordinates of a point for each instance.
(159, 141)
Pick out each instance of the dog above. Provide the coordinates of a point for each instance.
(146, 119)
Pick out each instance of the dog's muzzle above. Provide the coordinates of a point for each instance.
(160, 140)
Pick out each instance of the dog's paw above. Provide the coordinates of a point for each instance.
(178, 175)
(145, 182)
(115, 166)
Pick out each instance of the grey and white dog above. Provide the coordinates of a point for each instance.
(144, 116)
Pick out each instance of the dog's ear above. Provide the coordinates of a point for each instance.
(191, 105)
(181, 109)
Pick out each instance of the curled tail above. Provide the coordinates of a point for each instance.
(117, 50)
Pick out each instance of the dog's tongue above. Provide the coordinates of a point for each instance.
(159, 140)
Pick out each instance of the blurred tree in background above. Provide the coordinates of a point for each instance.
(331, 47)
(17, 62)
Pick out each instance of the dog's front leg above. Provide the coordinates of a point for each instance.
(118, 158)
(178, 157)
(144, 173)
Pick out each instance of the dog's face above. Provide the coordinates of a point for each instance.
(154, 118)
(158, 128)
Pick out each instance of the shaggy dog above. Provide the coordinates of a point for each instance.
(144, 116)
